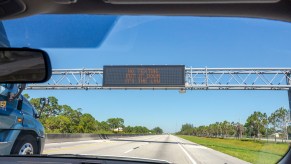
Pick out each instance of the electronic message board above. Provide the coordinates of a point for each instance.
(144, 76)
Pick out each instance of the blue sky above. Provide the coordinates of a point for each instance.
(191, 41)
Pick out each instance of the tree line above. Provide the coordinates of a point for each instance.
(257, 125)
(58, 118)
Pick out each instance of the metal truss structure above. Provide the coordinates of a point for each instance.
(195, 79)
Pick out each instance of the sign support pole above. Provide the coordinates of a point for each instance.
(289, 100)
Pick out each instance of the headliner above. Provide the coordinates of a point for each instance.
(276, 11)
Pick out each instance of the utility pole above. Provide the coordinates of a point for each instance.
(288, 78)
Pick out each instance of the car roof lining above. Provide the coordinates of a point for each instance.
(275, 11)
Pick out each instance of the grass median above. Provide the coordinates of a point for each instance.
(247, 150)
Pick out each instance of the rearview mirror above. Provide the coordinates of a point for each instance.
(24, 65)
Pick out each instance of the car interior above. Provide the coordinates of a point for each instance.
(279, 10)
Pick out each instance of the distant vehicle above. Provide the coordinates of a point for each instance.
(120, 129)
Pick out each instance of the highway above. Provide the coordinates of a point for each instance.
(163, 147)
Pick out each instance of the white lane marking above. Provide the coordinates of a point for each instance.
(76, 142)
(144, 144)
(187, 154)
(128, 151)
(196, 145)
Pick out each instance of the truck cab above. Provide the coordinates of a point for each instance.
(20, 130)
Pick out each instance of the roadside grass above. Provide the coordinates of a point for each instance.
(247, 150)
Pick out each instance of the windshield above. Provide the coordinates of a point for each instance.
(180, 89)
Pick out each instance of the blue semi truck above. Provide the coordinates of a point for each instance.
(20, 130)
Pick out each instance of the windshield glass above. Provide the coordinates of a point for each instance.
(180, 89)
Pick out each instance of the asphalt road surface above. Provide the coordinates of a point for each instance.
(163, 147)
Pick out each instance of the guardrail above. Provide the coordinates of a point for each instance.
(71, 137)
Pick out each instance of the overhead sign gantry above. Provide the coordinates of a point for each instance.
(167, 77)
